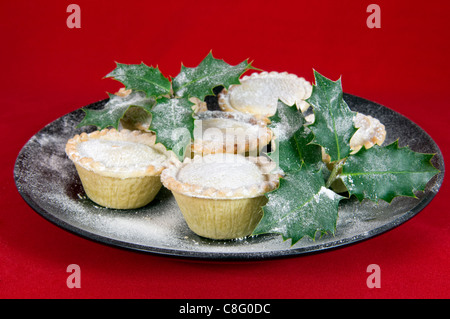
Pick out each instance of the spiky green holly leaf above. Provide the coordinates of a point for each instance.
(115, 109)
(173, 123)
(291, 143)
(301, 206)
(140, 77)
(333, 125)
(210, 73)
(387, 172)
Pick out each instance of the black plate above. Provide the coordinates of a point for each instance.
(48, 182)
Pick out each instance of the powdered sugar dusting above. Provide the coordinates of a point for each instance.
(221, 171)
(259, 93)
(121, 155)
(286, 127)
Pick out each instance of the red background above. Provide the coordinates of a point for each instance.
(48, 70)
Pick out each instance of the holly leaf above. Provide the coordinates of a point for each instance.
(333, 124)
(386, 172)
(140, 77)
(210, 73)
(173, 123)
(291, 140)
(115, 109)
(301, 206)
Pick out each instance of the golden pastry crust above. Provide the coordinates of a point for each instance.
(138, 137)
(221, 218)
(229, 132)
(123, 92)
(258, 93)
(199, 106)
(221, 199)
(119, 193)
(111, 169)
(370, 132)
(170, 179)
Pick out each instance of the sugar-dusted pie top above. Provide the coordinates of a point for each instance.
(227, 123)
(221, 171)
(258, 93)
(118, 153)
(228, 132)
(222, 176)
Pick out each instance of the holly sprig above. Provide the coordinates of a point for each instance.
(304, 204)
(167, 99)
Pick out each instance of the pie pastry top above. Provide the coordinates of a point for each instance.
(228, 132)
(199, 105)
(119, 154)
(222, 176)
(258, 93)
(370, 132)
(123, 92)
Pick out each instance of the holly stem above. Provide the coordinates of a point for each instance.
(335, 172)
